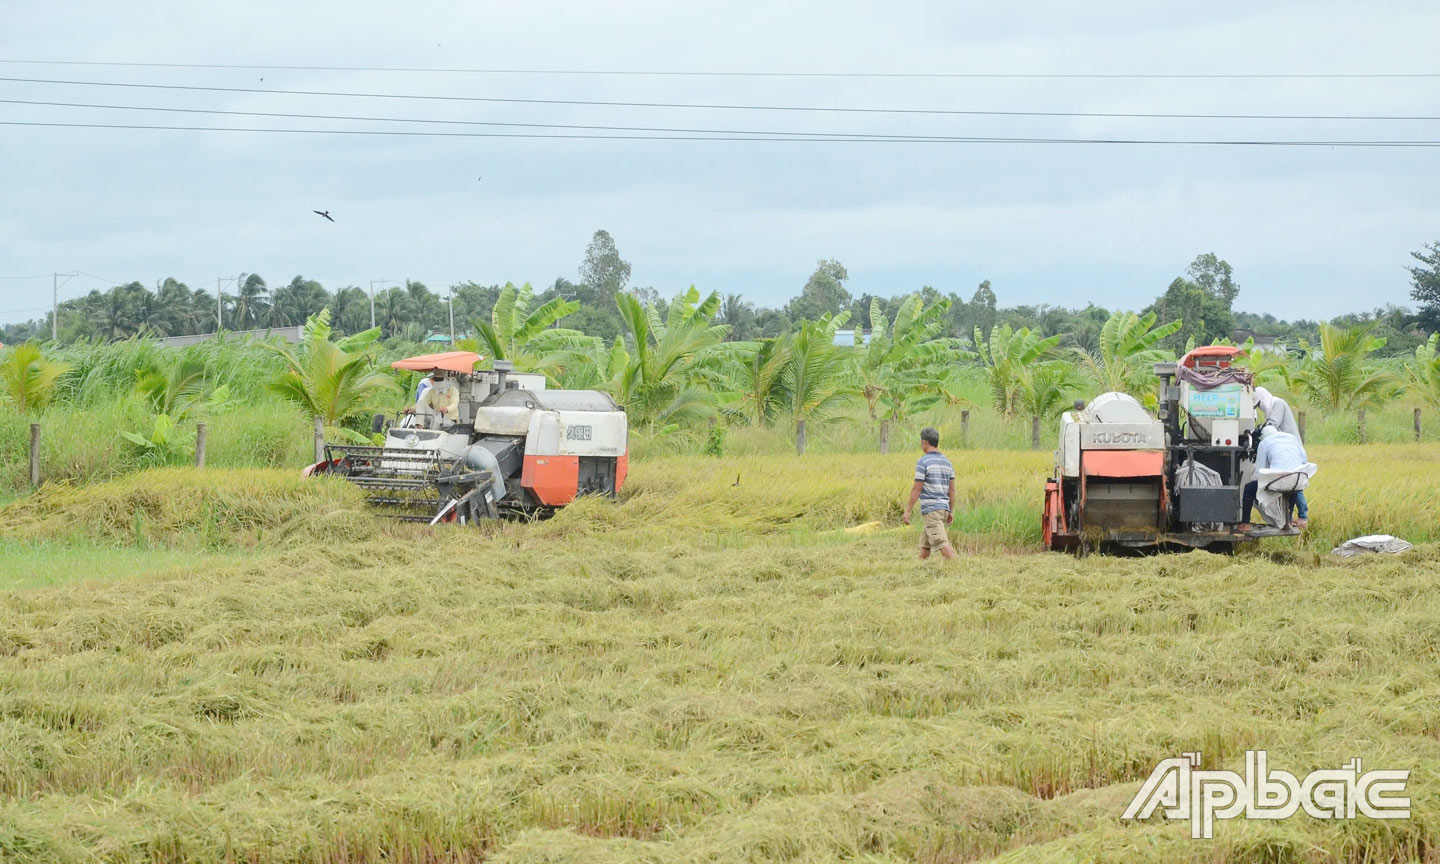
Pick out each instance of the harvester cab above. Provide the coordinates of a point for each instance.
(512, 446)
(1124, 477)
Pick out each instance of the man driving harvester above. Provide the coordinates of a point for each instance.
(438, 403)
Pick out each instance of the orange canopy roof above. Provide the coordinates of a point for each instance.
(1212, 352)
(451, 361)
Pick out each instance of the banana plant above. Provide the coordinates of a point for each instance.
(1422, 372)
(904, 366)
(527, 337)
(1127, 352)
(1006, 356)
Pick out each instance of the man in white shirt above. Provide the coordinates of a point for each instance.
(1279, 451)
(438, 403)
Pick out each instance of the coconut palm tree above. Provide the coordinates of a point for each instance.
(815, 380)
(329, 379)
(665, 376)
(1337, 373)
(179, 389)
(351, 309)
(250, 307)
(1044, 392)
(754, 373)
(28, 379)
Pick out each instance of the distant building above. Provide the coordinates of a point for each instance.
(847, 337)
(1264, 344)
(444, 338)
(286, 334)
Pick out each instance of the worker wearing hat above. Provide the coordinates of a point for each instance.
(439, 402)
(1278, 414)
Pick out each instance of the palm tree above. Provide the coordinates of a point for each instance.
(1044, 390)
(250, 306)
(815, 381)
(1006, 356)
(28, 378)
(666, 375)
(1337, 373)
(754, 373)
(178, 390)
(352, 309)
(902, 368)
(150, 313)
(112, 316)
(332, 380)
(1127, 353)
(424, 305)
(738, 315)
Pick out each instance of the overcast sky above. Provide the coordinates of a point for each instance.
(1310, 231)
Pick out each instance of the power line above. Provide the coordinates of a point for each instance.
(41, 276)
(982, 113)
(488, 123)
(874, 140)
(650, 73)
(708, 106)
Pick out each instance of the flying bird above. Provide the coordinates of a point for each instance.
(325, 213)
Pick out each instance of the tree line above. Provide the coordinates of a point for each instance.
(1203, 299)
(674, 367)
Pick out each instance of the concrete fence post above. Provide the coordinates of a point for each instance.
(34, 455)
(965, 428)
(1300, 422)
(319, 439)
(1417, 425)
(200, 445)
(1035, 432)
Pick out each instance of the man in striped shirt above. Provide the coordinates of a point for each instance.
(935, 490)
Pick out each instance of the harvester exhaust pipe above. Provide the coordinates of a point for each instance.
(502, 368)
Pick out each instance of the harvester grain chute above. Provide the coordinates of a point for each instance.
(1124, 477)
(512, 446)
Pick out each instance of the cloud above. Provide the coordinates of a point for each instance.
(1308, 231)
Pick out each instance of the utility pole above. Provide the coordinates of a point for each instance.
(373, 283)
(219, 300)
(452, 316)
(55, 304)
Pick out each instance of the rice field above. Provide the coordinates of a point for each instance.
(739, 661)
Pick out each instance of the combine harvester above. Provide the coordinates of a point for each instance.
(1126, 479)
(515, 447)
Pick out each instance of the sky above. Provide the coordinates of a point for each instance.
(1311, 232)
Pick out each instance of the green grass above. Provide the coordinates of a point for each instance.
(702, 672)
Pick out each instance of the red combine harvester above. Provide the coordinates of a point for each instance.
(1125, 478)
(512, 446)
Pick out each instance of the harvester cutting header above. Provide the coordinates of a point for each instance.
(1126, 478)
(501, 442)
